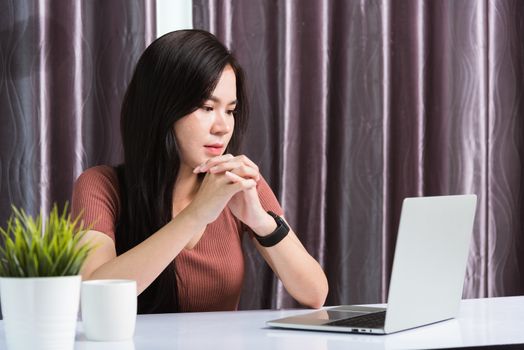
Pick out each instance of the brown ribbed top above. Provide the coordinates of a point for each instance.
(210, 275)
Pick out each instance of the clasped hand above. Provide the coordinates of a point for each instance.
(229, 181)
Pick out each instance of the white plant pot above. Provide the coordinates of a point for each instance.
(40, 312)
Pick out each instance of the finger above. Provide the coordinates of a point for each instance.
(202, 168)
(244, 159)
(246, 172)
(237, 168)
(236, 164)
(225, 166)
(250, 164)
(233, 177)
(243, 184)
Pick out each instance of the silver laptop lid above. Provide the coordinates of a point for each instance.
(430, 260)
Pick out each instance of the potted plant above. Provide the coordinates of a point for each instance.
(40, 261)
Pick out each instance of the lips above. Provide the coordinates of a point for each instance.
(215, 145)
(215, 148)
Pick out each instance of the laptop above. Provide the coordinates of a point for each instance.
(428, 272)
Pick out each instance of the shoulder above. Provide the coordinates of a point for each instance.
(101, 175)
(100, 184)
(96, 197)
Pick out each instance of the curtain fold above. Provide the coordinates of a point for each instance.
(503, 230)
(359, 104)
(64, 69)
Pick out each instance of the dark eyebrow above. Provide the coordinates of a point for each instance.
(215, 99)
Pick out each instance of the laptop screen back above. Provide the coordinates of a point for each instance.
(430, 260)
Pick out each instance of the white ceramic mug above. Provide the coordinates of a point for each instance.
(109, 309)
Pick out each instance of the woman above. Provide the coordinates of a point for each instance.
(173, 215)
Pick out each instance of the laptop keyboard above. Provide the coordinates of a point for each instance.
(372, 320)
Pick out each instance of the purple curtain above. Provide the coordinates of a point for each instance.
(358, 104)
(355, 105)
(64, 66)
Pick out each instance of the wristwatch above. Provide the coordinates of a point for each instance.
(276, 236)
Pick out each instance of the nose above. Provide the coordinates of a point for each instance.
(222, 123)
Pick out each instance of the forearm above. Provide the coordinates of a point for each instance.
(147, 260)
(300, 274)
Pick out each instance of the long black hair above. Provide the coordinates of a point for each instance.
(173, 77)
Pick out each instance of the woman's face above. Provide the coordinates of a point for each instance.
(206, 132)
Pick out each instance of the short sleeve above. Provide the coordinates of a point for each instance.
(267, 197)
(96, 197)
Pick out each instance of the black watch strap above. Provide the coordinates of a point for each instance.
(276, 236)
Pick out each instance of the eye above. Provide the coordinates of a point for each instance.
(207, 108)
(232, 112)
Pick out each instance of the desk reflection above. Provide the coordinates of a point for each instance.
(83, 344)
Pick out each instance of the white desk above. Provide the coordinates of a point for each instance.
(481, 322)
